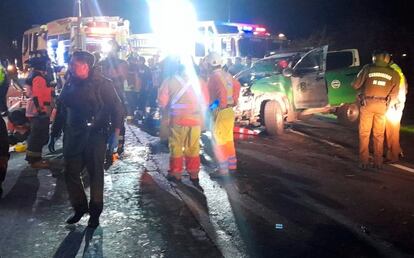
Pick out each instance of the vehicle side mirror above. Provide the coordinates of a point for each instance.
(287, 72)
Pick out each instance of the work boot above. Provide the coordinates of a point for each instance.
(363, 166)
(174, 179)
(219, 174)
(75, 218)
(93, 222)
(41, 164)
(196, 184)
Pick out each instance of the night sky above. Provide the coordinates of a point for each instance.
(385, 21)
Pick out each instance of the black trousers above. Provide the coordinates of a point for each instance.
(38, 137)
(92, 157)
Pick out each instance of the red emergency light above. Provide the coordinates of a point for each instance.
(260, 29)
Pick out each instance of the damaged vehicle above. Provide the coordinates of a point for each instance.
(289, 85)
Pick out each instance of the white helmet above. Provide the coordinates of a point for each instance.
(214, 59)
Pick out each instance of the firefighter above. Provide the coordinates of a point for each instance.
(38, 111)
(225, 90)
(394, 115)
(378, 85)
(182, 99)
(89, 104)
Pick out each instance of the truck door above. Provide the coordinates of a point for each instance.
(308, 80)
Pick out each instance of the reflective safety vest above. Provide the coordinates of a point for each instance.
(403, 88)
(2, 75)
(37, 88)
(183, 104)
(223, 87)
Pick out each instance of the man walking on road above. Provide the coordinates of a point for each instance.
(89, 104)
(378, 85)
(224, 89)
(394, 115)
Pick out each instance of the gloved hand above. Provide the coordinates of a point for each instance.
(113, 142)
(214, 105)
(51, 145)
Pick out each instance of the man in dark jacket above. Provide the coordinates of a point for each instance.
(88, 104)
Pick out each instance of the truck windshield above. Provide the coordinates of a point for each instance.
(257, 47)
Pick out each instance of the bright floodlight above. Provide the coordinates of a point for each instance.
(174, 24)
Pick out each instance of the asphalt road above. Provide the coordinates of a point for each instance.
(300, 195)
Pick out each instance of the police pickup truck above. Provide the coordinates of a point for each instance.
(288, 85)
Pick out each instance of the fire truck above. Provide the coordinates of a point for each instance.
(61, 37)
(229, 39)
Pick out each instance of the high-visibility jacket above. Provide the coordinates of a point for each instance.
(223, 87)
(37, 88)
(403, 88)
(187, 109)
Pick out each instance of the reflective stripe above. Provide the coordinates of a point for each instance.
(180, 106)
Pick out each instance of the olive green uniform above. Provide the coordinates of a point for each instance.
(378, 85)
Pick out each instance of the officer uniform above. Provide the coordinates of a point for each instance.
(224, 88)
(38, 111)
(183, 103)
(378, 84)
(88, 106)
(394, 115)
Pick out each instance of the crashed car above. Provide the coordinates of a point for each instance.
(286, 86)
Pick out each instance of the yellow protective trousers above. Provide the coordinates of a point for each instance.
(184, 142)
(224, 150)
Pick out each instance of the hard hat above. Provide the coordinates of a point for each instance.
(214, 59)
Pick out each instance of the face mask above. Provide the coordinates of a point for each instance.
(80, 70)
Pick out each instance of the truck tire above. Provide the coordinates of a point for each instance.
(273, 118)
(348, 115)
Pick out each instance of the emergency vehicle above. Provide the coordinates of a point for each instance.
(228, 39)
(61, 37)
(293, 84)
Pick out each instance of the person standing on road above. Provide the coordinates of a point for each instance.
(378, 85)
(38, 112)
(394, 115)
(89, 104)
(183, 100)
(224, 89)
(237, 67)
(4, 153)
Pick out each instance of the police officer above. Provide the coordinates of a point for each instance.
(225, 90)
(378, 85)
(394, 115)
(89, 104)
(38, 111)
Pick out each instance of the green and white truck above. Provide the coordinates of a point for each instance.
(314, 81)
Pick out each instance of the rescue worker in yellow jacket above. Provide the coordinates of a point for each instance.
(224, 90)
(394, 115)
(378, 85)
(182, 97)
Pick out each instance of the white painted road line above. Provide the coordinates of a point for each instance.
(411, 170)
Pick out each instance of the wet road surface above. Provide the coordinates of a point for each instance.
(300, 195)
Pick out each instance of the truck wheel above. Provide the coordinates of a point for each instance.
(273, 118)
(348, 114)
